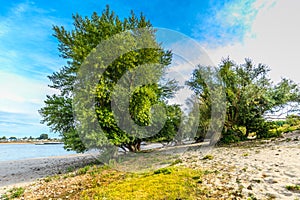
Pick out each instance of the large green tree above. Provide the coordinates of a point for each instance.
(250, 94)
(79, 47)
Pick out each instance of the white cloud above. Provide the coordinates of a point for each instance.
(28, 53)
(26, 40)
(20, 94)
(27, 56)
(186, 55)
(272, 39)
(3, 28)
(20, 100)
(226, 23)
(20, 125)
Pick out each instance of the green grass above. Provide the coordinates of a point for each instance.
(208, 157)
(295, 188)
(83, 170)
(163, 171)
(51, 178)
(17, 192)
(245, 154)
(165, 183)
(13, 193)
(175, 162)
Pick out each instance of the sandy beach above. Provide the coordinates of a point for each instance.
(261, 170)
(23, 172)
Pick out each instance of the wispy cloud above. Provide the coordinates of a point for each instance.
(26, 39)
(226, 22)
(21, 98)
(20, 125)
(187, 53)
(273, 39)
(28, 53)
(20, 94)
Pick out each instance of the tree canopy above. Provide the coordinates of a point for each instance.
(84, 46)
(250, 94)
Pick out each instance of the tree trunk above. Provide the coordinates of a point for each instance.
(135, 146)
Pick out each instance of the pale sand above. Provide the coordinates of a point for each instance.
(262, 170)
(23, 172)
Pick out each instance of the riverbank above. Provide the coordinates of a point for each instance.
(3, 143)
(31, 142)
(262, 169)
(23, 172)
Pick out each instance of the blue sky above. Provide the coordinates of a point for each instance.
(264, 30)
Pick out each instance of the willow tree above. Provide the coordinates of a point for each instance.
(82, 45)
(250, 94)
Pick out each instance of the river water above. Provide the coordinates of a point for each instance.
(25, 151)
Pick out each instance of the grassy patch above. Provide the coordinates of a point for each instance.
(17, 192)
(51, 178)
(140, 162)
(208, 157)
(135, 176)
(83, 170)
(245, 154)
(294, 188)
(13, 193)
(175, 162)
(165, 183)
(163, 171)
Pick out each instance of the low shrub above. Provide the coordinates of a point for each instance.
(293, 187)
(208, 157)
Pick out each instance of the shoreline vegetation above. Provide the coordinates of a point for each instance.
(258, 169)
(43, 138)
(36, 142)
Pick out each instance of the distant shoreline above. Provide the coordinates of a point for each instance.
(17, 143)
(22, 172)
(28, 142)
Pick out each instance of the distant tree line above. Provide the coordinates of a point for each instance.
(43, 136)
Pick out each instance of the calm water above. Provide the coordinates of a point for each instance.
(24, 151)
